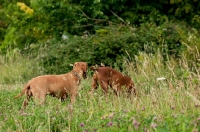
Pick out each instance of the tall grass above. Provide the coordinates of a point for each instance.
(170, 103)
(16, 68)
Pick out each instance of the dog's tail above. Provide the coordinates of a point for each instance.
(93, 68)
(26, 87)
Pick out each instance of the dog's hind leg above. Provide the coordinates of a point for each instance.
(28, 94)
(25, 103)
(39, 97)
(94, 83)
(104, 86)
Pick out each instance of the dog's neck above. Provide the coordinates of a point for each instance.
(76, 74)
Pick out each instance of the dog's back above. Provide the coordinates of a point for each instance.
(112, 75)
(112, 78)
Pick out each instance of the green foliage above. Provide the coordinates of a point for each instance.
(51, 19)
(16, 36)
(40, 21)
(109, 46)
(115, 29)
(185, 10)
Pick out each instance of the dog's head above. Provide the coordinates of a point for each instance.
(83, 66)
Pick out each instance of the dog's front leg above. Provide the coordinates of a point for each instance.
(73, 95)
(94, 83)
(117, 89)
(132, 90)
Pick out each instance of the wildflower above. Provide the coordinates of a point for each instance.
(111, 115)
(136, 124)
(197, 105)
(155, 118)
(172, 107)
(25, 8)
(82, 124)
(143, 108)
(153, 125)
(103, 117)
(21, 5)
(125, 111)
(109, 124)
(29, 11)
(145, 129)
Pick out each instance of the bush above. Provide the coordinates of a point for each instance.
(110, 45)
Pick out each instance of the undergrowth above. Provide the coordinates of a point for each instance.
(168, 100)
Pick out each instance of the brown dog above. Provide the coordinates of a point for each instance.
(107, 76)
(59, 86)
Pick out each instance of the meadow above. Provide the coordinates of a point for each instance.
(168, 100)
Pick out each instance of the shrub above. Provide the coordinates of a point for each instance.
(110, 45)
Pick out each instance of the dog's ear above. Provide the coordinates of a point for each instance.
(84, 67)
(75, 64)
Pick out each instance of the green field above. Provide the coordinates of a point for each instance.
(155, 42)
(170, 105)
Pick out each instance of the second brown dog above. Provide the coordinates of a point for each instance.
(108, 77)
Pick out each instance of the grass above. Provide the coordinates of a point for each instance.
(16, 68)
(162, 105)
